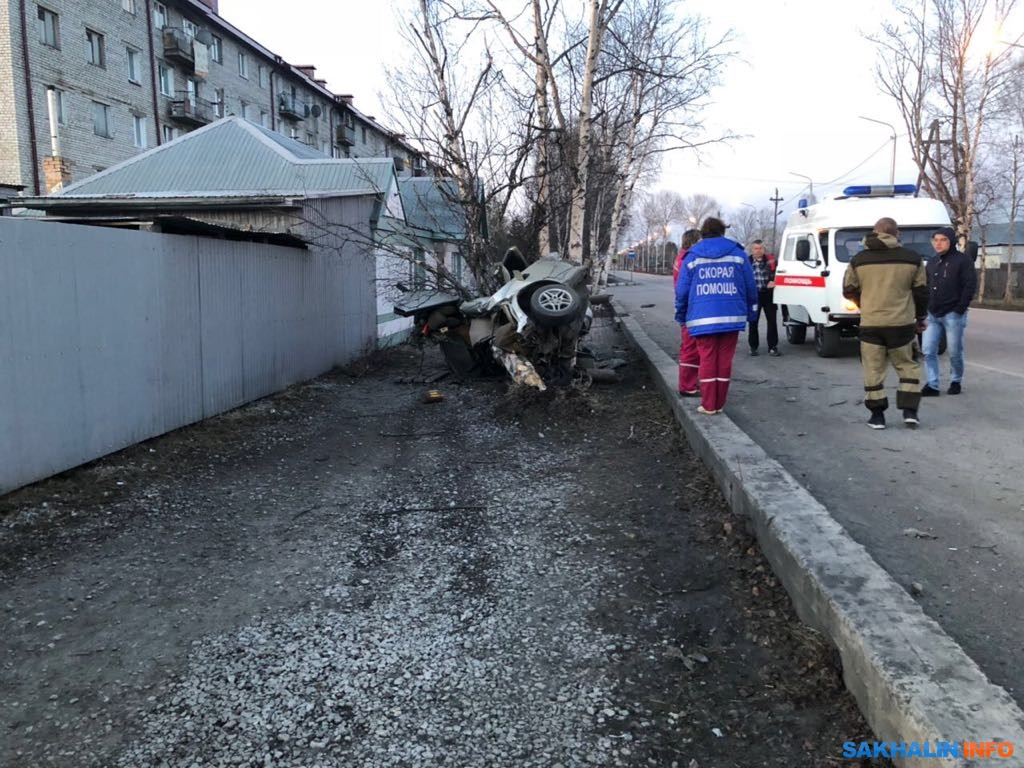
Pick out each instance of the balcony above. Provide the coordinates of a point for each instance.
(192, 111)
(345, 135)
(290, 108)
(178, 47)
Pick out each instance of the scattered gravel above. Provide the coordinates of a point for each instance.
(345, 577)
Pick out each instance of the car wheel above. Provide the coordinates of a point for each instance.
(796, 334)
(555, 305)
(826, 340)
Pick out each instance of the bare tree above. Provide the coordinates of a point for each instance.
(657, 75)
(698, 207)
(748, 224)
(450, 97)
(932, 60)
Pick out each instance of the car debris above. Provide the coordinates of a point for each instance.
(531, 327)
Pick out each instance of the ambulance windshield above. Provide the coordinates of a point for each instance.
(849, 242)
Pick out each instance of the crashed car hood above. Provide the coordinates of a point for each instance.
(413, 302)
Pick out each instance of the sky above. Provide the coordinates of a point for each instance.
(803, 77)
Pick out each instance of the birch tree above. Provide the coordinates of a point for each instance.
(944, 70)
(659, 73)
(451, 96)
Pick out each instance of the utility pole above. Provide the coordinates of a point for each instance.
(775, 220)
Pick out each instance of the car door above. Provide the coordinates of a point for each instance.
(798, 279)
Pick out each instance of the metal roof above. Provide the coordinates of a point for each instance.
(234, 157)
(999, 233)
(431, 206)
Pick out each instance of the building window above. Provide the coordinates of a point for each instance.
(168, 132)
(243, 65)
(49, 28)
(325, 148)
(218, 106)
(264, 119)
(166, 79)
(128, 5)
(132, 57)
(294, 133)
(364, 133)
(309, 140)
(191, 30)
(261, 76)
(217, 50)
(159, 15)
(101, 119)
(245, 110)
(139, 126)
(96, 50)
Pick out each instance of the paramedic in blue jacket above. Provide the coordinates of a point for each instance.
(716, 297)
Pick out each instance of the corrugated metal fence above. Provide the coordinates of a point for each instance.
(109, 337)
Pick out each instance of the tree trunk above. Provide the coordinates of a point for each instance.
(1008, 292)
(544, 127)
(578, 202)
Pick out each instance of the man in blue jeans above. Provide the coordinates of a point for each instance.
(951, 285)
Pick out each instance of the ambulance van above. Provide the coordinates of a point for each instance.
(818, 243)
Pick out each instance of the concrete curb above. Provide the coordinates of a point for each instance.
(912, 682)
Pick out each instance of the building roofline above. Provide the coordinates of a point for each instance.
(293, 70)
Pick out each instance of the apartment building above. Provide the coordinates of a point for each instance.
(85, 84)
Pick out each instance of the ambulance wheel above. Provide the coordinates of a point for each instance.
(826, 340)
(796, 334)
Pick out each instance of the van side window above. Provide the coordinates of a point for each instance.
(823, 242)
(789, 250)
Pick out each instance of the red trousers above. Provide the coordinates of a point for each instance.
(716, 351)
(688, 362)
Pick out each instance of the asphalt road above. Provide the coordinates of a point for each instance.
(958, 478)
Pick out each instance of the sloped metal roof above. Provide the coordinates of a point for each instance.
(234, 157)
(999, 233)
(431, 207)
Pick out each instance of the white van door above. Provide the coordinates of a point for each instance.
(798, 280)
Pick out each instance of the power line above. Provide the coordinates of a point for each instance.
(843, 175)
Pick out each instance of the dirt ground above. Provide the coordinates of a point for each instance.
(343, 575)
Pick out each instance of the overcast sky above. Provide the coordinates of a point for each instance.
(804, 77)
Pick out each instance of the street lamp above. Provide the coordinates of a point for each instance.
(892, 168)
(810, 183)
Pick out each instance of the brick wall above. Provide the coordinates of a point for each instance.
(83, 84)
(14, 149)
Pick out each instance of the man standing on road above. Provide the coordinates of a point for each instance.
(951, 285)
(764, 277)
(889, 283)
(689, 359)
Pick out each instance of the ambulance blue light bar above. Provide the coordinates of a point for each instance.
(880, 190)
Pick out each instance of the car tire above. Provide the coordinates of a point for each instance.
(555, 305)
(796, 334)
(826, 340)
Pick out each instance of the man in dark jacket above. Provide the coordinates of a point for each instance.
(889, 283)
(952, 282)
(764, 276)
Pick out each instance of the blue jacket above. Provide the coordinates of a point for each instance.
(716, 291)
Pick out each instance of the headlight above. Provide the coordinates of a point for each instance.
(850, 306)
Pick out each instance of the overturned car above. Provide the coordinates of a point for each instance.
(531, 327)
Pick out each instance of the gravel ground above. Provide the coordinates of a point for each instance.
(343, 575)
